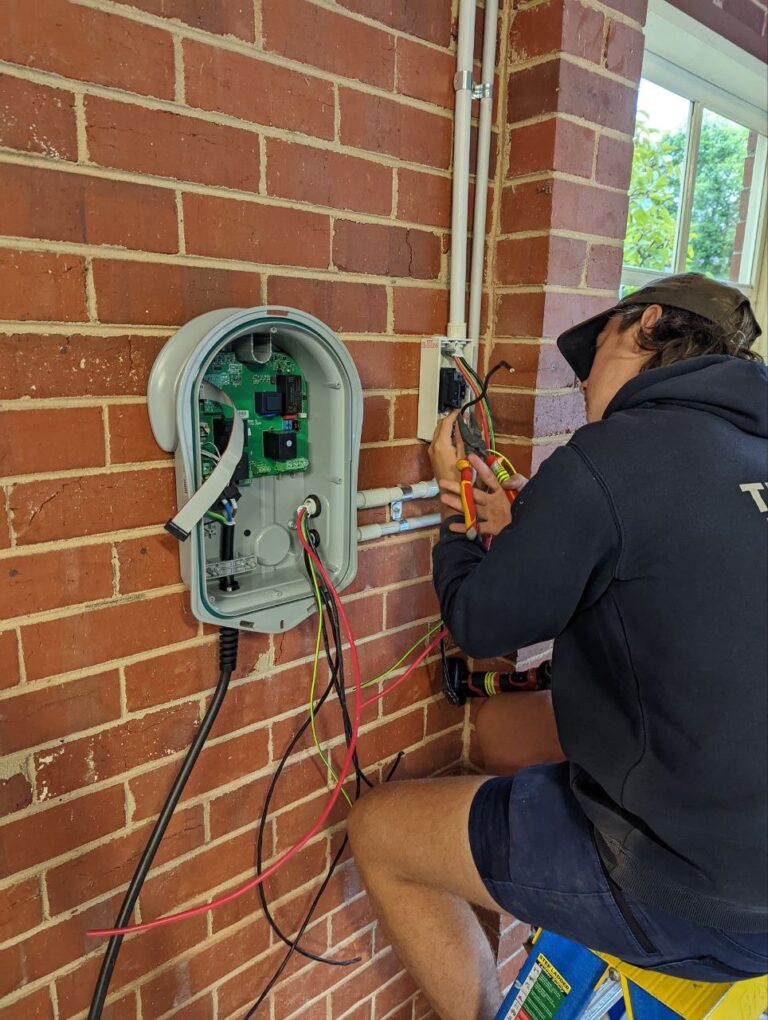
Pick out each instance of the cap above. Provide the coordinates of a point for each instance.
(712, 300)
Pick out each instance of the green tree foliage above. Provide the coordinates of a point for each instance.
(654, 197)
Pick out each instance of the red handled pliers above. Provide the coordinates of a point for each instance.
(475, 443)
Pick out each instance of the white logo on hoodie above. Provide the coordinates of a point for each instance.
(754, 489)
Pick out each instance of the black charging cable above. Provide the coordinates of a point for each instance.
(227, 661)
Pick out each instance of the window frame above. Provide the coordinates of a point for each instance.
(735, 90)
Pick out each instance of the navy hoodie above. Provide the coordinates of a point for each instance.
(641, 547)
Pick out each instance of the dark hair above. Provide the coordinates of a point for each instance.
(679, 334)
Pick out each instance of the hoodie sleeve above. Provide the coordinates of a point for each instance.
(559, 552)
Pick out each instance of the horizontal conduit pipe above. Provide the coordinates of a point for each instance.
(370, 531)
(368, 498)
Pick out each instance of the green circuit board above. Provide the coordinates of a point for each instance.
(272, 400)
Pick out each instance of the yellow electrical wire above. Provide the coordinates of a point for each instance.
(505, 460)
(403, 657)
(334, 777)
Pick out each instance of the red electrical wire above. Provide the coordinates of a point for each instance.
(433, 644)
(204, 908)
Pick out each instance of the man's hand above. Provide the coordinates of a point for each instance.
(445, 449)
(494, 511)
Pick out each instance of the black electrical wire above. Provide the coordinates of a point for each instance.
(336, 682)
(228, 639)
(484, 387)
(310, 912)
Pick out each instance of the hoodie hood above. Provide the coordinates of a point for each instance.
(731, 388)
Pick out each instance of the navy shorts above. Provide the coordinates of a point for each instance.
(535, 850)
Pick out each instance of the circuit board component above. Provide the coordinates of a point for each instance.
(271, 398)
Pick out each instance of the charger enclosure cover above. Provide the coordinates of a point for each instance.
(273, 592)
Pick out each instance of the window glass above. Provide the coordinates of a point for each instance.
(657, 177)
(724, 172)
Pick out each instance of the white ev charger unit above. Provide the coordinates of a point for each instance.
(263, 408)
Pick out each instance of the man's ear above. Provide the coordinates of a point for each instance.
(651, 316)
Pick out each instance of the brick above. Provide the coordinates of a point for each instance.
(386, 251)
(67, 508)
(385, 365)
(416, 602)
(322, 177)
(86, 210)
(15, 791)
(394, 465)
(635, 9)
(536, 365)
(614, 162)
(257, 91)
(137, 955)
(553, 144)
(233, 18)
(364, 982)
(114, 751)
(390, 562)
(382, 125)
(40, 285)
(559, 414)
(563, 205)
(405, 416)
(168, 145)
(146, 563)
(394, 994)
(36, 717)
(351, 307)
(557, 86)
(75, 366)
(422, 684)
(47, 834)
(538, 260)
(28, 446)
(141, 293)
(37, 1006)
(322, 38)
(108, 866)
(66, 577)
(256, 233)
(391, 736)
(21, 908)
(624, 50)
(375, 419)
(9, 659)
(167, 676)
(58, 646)
(432, 756)
(365, 616)
(557, 26)
(291, 994)
(421, 311)
(425, 73)
(604, 267)
(178, 984)
(120, 53)
(37, 119)
(131, 440)
(423, 197)
(429, 19)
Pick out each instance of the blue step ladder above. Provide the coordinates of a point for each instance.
(562, 980)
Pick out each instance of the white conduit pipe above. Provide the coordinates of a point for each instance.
(481, 174)
(371, 531)
(368, 498)
(462, 83)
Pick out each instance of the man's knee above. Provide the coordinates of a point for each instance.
(365, 824)
(502, 749)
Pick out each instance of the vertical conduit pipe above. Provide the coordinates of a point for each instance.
(462, 83)
(481, 175)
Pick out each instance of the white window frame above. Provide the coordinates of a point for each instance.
(677, 50)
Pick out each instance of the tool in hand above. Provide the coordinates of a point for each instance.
(458, 683)
(475, 443)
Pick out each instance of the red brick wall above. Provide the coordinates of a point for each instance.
(743, 22)
(159, 158)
